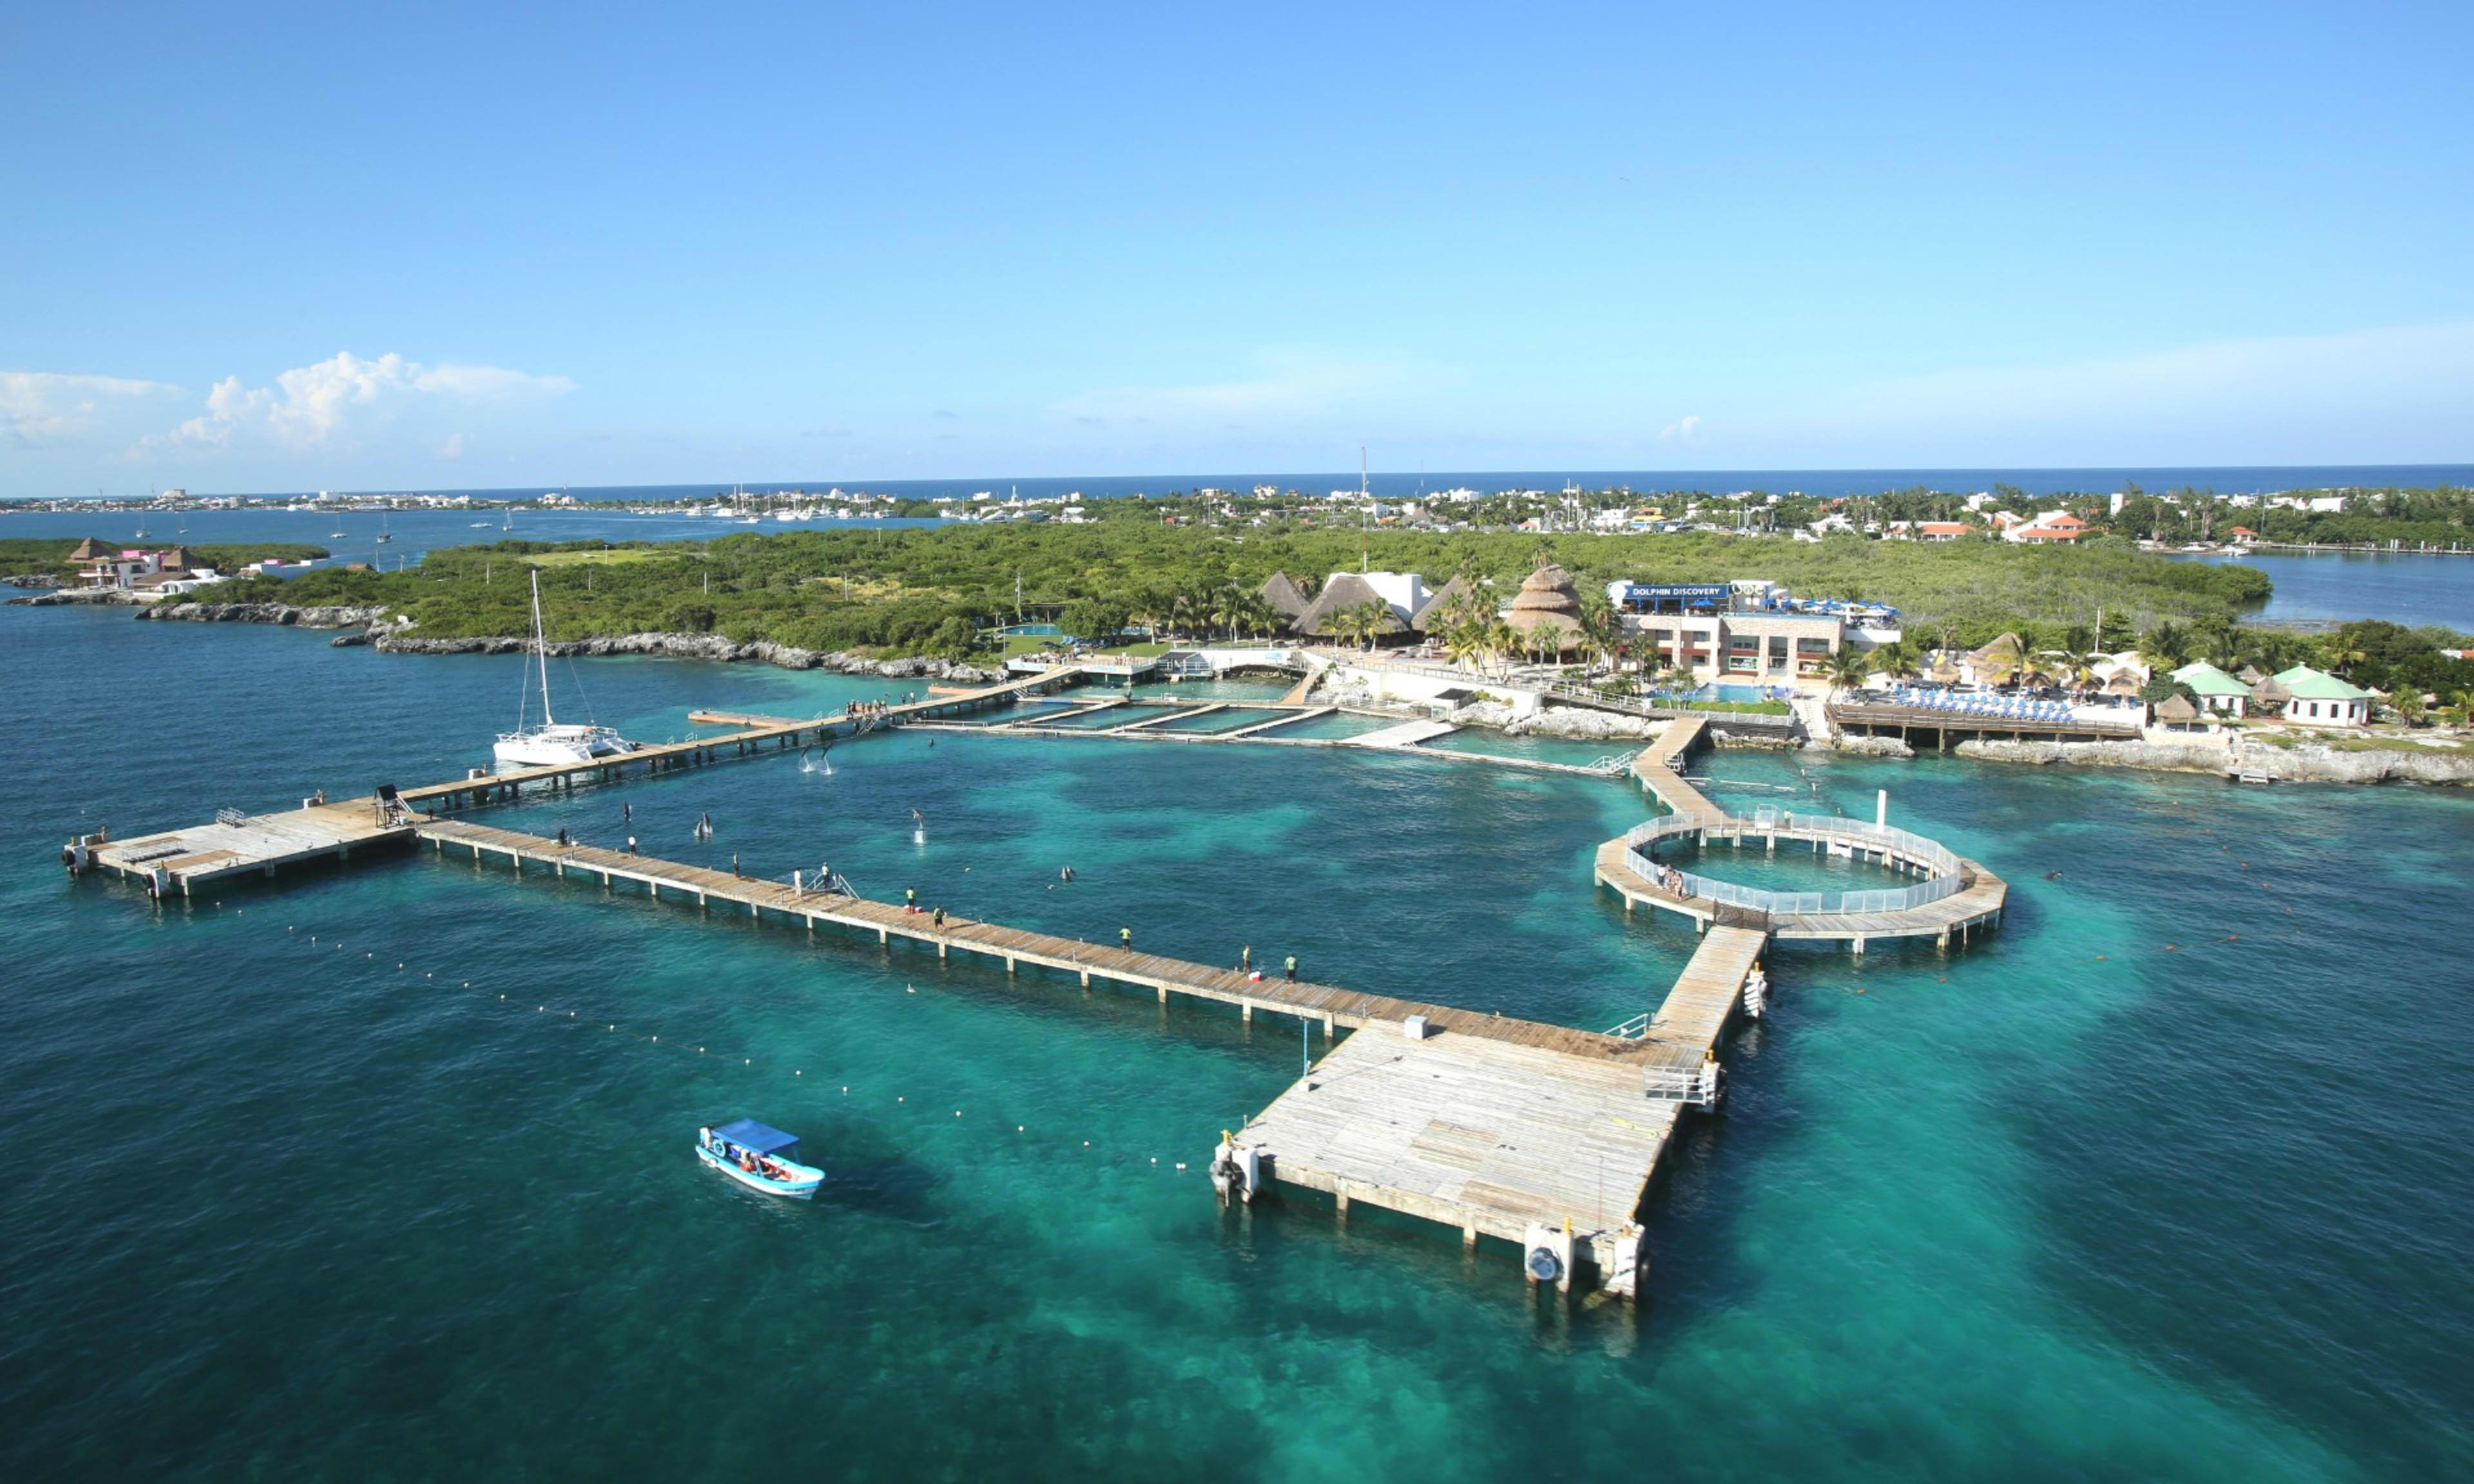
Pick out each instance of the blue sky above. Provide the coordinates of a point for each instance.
(268, 247)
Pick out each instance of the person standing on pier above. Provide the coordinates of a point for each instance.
(733, 866)
(631, 845)
(940, 917)
(1126, 937)
(910, 898)
(1246, 959)
(1292, 969)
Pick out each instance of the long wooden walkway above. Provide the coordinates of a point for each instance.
(1330, 1007)
(1501, 1126)
(178, 861)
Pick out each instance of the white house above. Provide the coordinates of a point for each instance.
(2321, 700)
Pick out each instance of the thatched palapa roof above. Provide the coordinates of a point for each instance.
(1548, 602)
(2004, 649)
(92, 550)
(1438, 603)
(2177, 709)
(1284, 596)
(1344, 592)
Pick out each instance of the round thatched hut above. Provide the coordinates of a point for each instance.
(1547, 605)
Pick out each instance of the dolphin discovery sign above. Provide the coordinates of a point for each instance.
(1666, 597)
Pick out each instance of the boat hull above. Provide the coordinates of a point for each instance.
(559, 747)
(802, 1187)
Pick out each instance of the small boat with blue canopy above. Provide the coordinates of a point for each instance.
(759, 1156)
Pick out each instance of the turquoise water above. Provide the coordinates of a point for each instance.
(2162, 1181)
(1794, 867)
(1562, 750)
(2404, 588)
(1720, 691)
(1212, 722)
(1113, 716)
(1336, 725)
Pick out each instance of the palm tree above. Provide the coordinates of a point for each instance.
(1894, 660)
(1224, 604)
(1502, 642)
(1253, 614)
(2343, 655)
(2165, 646)
(1465, 640)
(1370, 619)
(2408, 703)
(1846, 669)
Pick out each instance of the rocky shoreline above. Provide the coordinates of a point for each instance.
(2307, 763)
(691, 646)
(77, 597)
(373, 628)
(338, 616)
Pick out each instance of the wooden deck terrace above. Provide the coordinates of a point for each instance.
(1877, 718)
(181, 860)
(1508, 1140)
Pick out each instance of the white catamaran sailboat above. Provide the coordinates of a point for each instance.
(550, 743)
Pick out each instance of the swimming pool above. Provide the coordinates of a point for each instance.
(1723, 692)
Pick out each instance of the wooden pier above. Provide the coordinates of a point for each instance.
(1331, 1008)
(1497, 1126)
(1976, 904)
(178, 861)
(1487, 1123)
(1512, 1139)
(1947, 728)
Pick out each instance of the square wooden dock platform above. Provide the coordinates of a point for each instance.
(1482, 1134)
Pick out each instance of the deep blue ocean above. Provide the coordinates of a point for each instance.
(2222, 479)
(377, 1172)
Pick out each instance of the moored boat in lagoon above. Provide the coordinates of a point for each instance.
(758, 1156)
(550, 743)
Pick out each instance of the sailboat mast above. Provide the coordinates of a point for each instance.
(540, 646)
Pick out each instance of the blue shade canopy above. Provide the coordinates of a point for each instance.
(748, 1134)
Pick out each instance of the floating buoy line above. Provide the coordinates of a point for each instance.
(1100, 1151)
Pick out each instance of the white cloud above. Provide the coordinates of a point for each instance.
(1683, 431)
(309, 405)
(42, 408)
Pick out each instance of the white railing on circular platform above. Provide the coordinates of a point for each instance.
(1931, 855)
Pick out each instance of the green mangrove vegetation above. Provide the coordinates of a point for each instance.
(938, 590)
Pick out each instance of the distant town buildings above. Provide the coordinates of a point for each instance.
(2053, 526)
